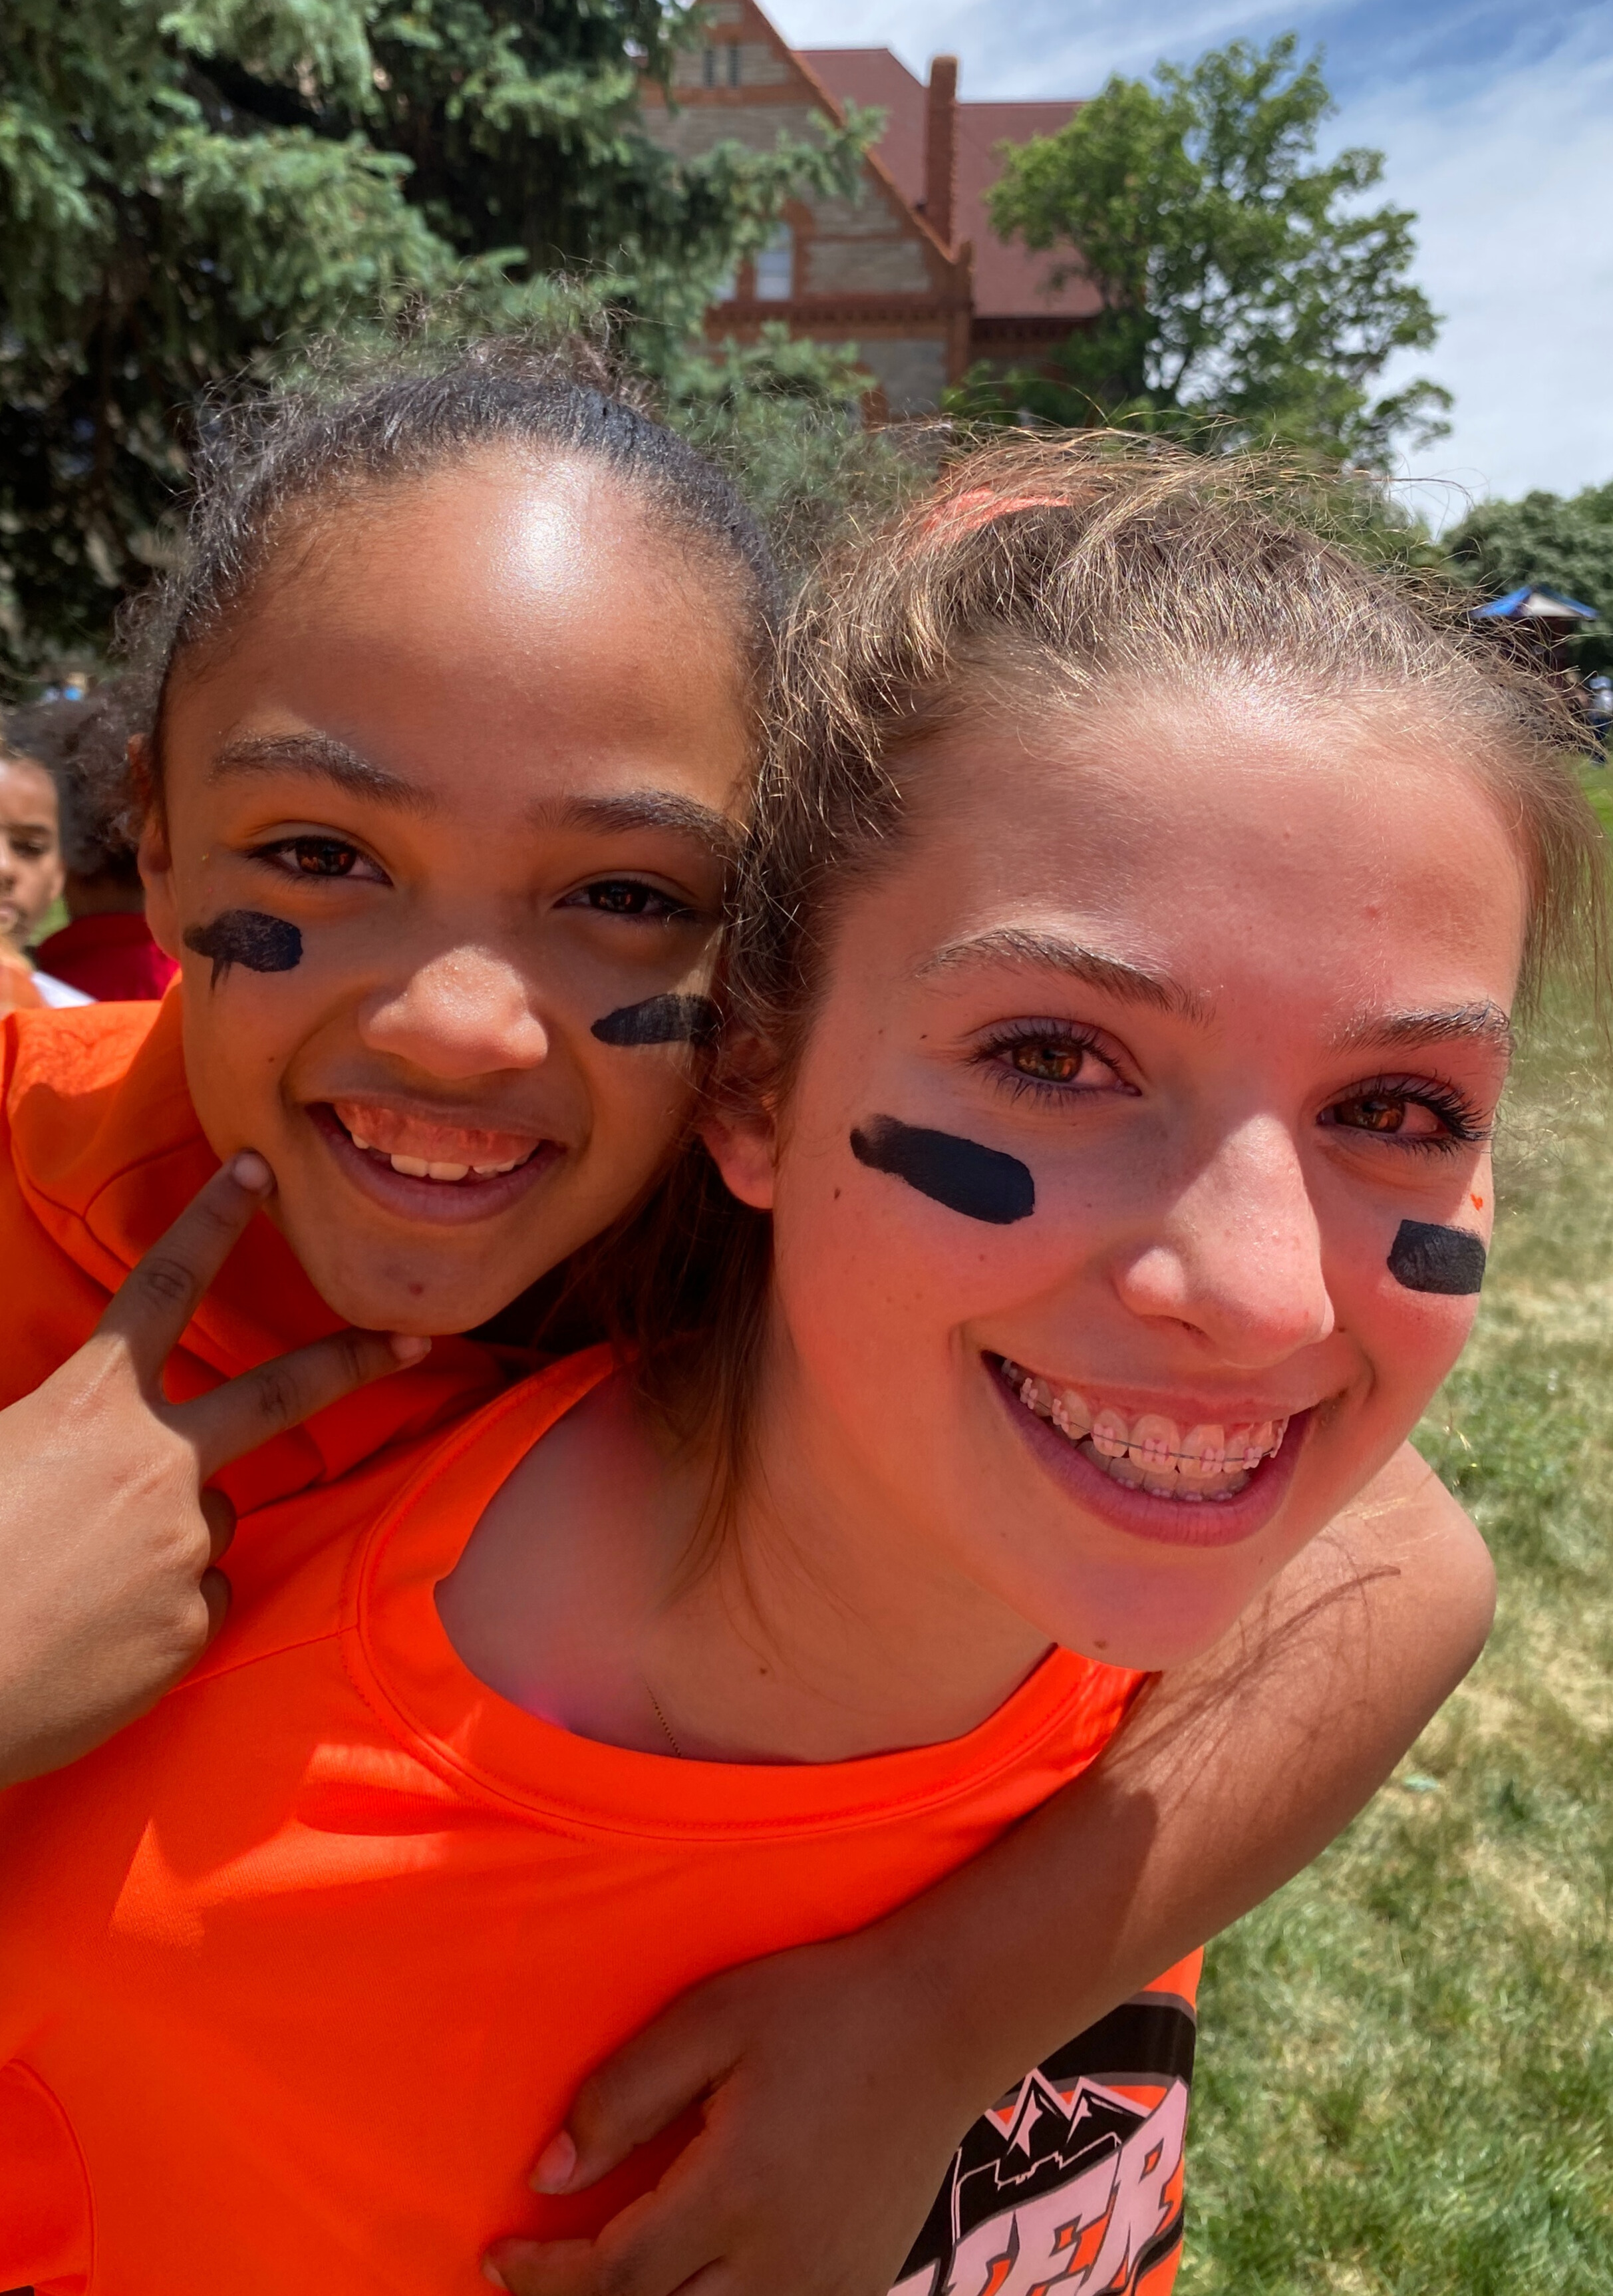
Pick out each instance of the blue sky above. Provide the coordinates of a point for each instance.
(1496, 122)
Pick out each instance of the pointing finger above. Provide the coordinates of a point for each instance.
(157, 1299)
(219, 1513)
(249, 1410)
(216, 1594)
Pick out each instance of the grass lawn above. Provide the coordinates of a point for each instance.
(1406, 2078)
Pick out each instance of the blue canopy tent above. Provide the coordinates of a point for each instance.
(1541, 619)
(1534, 602)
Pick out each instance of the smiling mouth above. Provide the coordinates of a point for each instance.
(1149, 1453)
(454, 1154)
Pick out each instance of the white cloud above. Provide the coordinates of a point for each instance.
(1513, 188)
(1507, 160)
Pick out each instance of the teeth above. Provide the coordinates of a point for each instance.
(1152, 1445)
(1210, 1462)
(1111, 1435)
(487, 1171)
(359, 1141)
(446, 1171)
(1071, 1415)
(1203, 1451)
(413, 1168)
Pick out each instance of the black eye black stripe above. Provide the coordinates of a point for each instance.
(263, 944)
(1428, 1257)
(669, 1019)
(981, 1182)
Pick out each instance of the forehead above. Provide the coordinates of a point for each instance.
(27, 790)
(483, 620)
(1227, 837)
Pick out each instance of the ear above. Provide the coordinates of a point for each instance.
(156, 862)
(743, 1146)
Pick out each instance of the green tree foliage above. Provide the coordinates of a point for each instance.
(1565, 542)
(189, 194)
(1245, 294)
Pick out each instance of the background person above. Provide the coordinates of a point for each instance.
(31, 869)
(105, 950)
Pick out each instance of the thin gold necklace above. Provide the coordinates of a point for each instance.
(661, 1718)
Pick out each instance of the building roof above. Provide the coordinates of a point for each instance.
(1534, 602)
(1008, 278)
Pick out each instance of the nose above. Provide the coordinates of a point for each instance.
(465, 1012)
(1239, 1256)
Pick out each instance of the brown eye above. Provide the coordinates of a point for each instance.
(625, 897)
(1372, 1112)
(323, 857)
(1049, 1063)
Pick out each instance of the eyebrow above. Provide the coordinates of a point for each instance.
(652, 809)
(1484, 1024)
(331, 760)
(1096, 968)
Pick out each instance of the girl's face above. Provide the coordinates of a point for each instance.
(447, 826)
(30, 847)
(1146, 1118)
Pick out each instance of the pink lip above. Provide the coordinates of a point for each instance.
(1168, 1522)
(437, 1203)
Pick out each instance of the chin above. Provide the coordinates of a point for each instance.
(379, 1299)
(1156, 1638)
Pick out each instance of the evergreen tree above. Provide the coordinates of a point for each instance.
(1244, 296)
(189, 194)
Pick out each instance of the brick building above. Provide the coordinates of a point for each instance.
(912, 273)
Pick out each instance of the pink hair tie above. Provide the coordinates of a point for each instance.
(978, 506)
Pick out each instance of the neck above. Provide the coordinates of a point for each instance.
(829, 1623)
(820, 1622)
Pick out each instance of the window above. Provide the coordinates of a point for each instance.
(727, 286)
(775, 267)
(720, 64)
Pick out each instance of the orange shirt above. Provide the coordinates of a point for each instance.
(298, 1973)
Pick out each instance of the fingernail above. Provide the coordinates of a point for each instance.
(409, 1347)
(555, 2164)
(249, 1171)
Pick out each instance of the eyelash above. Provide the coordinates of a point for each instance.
(672, 911)
(1063, 1037)
(1465, 1125)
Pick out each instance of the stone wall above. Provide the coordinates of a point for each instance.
(910, 370)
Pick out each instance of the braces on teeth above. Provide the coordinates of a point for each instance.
(1152, 1454)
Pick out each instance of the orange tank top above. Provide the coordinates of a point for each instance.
(298, 1973)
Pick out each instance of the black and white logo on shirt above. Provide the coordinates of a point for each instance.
(1073, 2181)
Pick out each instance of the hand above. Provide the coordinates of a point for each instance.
(108, 1534)
(829, 2127)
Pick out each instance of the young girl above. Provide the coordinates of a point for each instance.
(1115, 1210)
